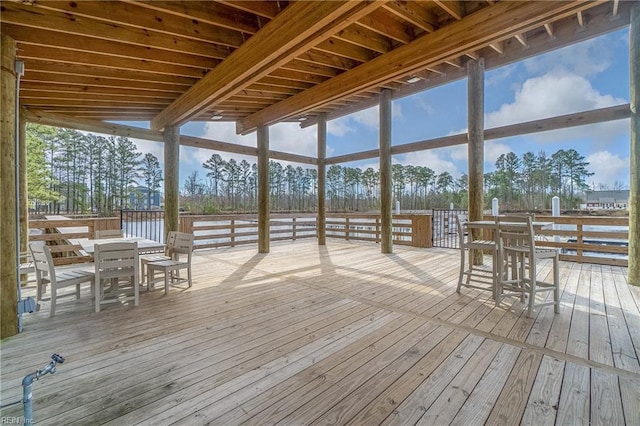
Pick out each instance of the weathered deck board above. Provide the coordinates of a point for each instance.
(337, 335)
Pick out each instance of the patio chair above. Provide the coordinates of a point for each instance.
(519, 256)
(116, 266)
(46, 274)
(108, 233)
(145, 259)
(472, 276)
(182, 245)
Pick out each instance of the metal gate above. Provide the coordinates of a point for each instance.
(445, 232)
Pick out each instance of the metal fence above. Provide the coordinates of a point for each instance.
(444, 229)
(147, 224)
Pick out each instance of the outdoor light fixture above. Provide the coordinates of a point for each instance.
(303, 118)
(216, 116)
(413, 79)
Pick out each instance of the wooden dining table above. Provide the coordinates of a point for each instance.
(144, 245)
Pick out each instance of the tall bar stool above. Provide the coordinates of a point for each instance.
(518, 257)
(470, 275)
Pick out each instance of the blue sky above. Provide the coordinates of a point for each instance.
(588, 75)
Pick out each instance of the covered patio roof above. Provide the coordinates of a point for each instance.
(261, 62)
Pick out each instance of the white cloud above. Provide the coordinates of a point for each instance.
(431, 159)
(368, 118)
(492, 150)
(585, 59)
(608, 168)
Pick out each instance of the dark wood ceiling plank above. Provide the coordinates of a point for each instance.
(38, 77)
(104, 61)
(43, 37)
(414, 13)
(50, 87)
(35, 17)
(135, 15)
(384, 23)
(476, 30)
(454, 8)
(210, 12)
(293, 31)
(364, 37)
(134, 78)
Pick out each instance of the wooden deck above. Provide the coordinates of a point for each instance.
(337, 335)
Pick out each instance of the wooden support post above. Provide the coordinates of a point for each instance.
(386, 200)
(8, 266)
(171, 136)
(475, 117)
(263, 189)
(321, 226)
(634, 180)
(24, 201)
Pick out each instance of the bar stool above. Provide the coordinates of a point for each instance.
(518, 257)
(472, 276)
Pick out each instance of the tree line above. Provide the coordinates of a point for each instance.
(72, 172)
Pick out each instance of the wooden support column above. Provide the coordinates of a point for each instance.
(475, 118)
(23, 191)
(634, 166)
(171, 136)
(321, 225)
(8, 266)
(386, 201)
(263, 189)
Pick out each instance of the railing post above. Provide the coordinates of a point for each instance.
(233, 233)
(377, 230)
(421, 231)
(580, 242)
(294, 228)
(346, 229)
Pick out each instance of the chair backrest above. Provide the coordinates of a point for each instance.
(108, 233)
(516, 232)
(116, 260)
(522, 215)
(42, 262)
(171, 239)
(461, 224)
(183, 244)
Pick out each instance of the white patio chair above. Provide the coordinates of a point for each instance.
(519, 256)
(46, 274)
(472, 276)
(183, 245)
(145, 259)
(116, 266)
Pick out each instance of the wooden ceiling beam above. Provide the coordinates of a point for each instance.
(311, 68)
(385, 24)
(414, 13)
(364, 37)
(60, 120)
(293, 31)
(452, 7)
(49, 87)
(104, 61)
(134, 78)
(315, 56)
(336, 46)
(35, 17)
(210, 12)
(46, 38)
(266, 9)
(98, 103)
(28, 93)
(487, 25)
(108, 84)
(137, 16)
(564, 34)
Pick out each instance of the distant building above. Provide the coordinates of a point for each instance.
(607, 200)
(139, 197)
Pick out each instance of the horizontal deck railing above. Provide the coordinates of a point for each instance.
(588, 239)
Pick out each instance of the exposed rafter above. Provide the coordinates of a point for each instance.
(487, 25)
(297, 28)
